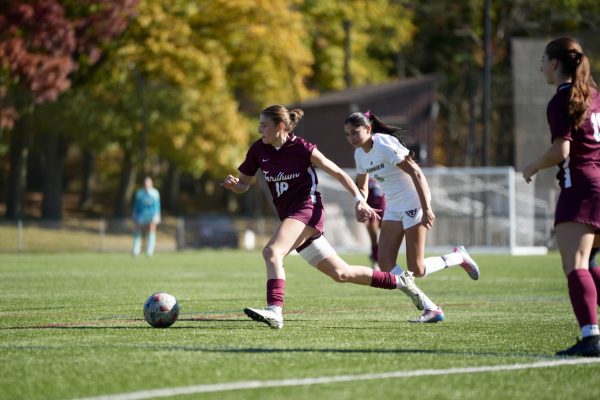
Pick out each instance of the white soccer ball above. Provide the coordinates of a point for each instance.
(161, 310)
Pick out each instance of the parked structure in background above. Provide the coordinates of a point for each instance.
(410, 103)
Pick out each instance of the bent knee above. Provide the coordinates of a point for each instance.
(270, 253)
(417, 270)
(418, 273)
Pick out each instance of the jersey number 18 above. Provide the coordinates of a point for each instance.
(281, 187)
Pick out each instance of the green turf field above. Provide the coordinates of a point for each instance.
(71, 327)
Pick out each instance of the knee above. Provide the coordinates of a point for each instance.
(418, 269)
(271, 254)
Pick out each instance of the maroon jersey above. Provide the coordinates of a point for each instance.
(289, 173)
(583, 163)
(579, 174)
(376, 197)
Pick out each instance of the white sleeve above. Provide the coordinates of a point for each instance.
(394, 153)
(359, 167)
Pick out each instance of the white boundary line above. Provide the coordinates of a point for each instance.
(223, 387)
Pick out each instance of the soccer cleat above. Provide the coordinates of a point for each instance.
(586, 347)
(408, 286)
(429, 317)
(265, 315)
(468, 264)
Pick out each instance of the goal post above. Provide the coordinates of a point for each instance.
(486, 209)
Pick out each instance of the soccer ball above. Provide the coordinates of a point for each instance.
(161, 310)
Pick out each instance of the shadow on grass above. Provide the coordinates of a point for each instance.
(300, 350)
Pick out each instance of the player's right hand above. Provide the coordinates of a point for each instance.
(230, 182)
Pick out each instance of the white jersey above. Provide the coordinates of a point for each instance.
(381, 163)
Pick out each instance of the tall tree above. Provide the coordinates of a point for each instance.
(41, 46)
(378, 29)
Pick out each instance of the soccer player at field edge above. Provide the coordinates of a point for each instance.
(146, 216)
(574, 118)
(376, 200)
(379, 153)
(287, 163)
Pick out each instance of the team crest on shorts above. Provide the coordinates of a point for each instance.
(411, 213)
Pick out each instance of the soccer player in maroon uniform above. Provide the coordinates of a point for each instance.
(376, 200)
(286, 162)
(574, 118)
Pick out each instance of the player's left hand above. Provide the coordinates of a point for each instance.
(428, 218)
(364, 212)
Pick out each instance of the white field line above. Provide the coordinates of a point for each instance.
(223, 387)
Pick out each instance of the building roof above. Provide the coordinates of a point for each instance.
(366, 93)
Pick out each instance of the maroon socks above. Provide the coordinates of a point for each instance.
(584, 296)
(275, 292)
(383, 280)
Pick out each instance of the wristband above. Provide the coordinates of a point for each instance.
(358, 198)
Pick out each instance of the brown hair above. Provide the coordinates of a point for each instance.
(278, 113)
(576, 65)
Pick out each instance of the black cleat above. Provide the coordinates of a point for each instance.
(586, 347)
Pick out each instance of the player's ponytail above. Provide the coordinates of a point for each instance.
(280, 114)
(575, 64)
(295, 116)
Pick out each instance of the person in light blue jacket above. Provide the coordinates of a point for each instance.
(146, 216)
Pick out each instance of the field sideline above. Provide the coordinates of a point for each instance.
(71, 327)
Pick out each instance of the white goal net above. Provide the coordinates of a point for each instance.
(487, 209)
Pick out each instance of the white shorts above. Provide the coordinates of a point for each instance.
(409, 218)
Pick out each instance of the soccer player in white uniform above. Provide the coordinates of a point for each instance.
(380, 154)
(146, 216)
(288, 163)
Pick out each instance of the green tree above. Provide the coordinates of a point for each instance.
(42, 44)
(449, 40)
(378, 29)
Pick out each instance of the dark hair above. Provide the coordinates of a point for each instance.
(278, 113)
(377, 126)
(576, 65)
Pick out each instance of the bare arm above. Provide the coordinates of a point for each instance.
(363, 185)
(557, 153)
(237, 185)
(332, 169)
(362, 209)
(414, 171)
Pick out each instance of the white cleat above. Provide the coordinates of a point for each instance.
(408, 286)
(429, 317)
(265, 315)
(468, 264)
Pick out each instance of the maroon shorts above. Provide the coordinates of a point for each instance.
(579, 203)
(378, 203)
(312, 214)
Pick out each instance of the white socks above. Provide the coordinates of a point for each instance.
(435, 264)
(589, 330)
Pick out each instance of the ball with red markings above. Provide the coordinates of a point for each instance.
(161, 310)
